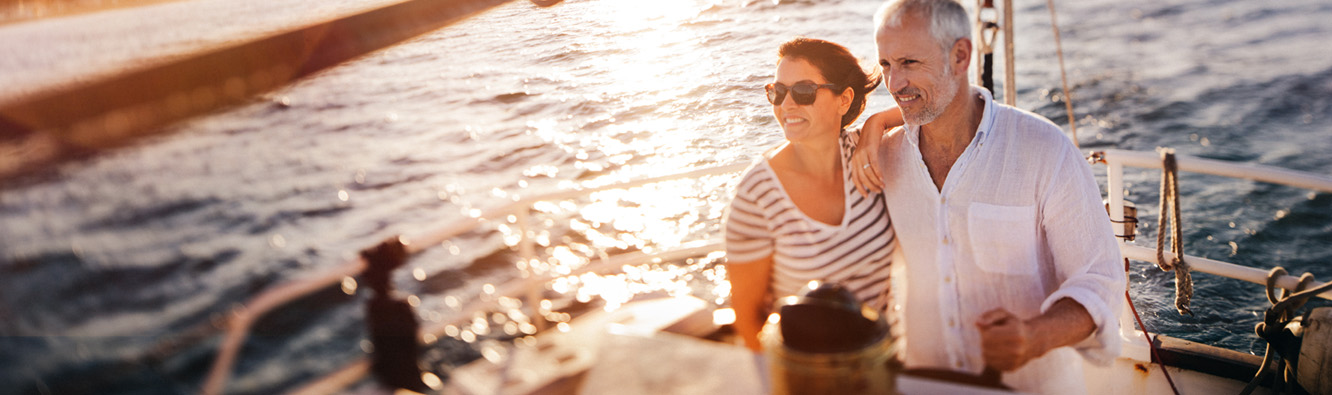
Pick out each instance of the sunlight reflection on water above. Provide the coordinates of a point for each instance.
(648, 218)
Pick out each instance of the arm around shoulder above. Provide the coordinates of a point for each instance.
(865, 170)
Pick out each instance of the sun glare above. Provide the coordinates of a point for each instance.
(652, 44)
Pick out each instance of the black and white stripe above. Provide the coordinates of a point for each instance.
(763, 221)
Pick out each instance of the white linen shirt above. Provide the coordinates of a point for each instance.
(1018, 225)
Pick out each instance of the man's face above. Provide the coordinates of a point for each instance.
(916, 70)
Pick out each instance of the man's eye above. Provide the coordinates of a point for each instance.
(883, 63)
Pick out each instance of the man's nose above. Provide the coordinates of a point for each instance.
(896, 81)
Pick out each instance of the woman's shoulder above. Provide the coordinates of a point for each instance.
(759, 173)
(849, 139)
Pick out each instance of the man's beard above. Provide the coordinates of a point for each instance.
(936, 108)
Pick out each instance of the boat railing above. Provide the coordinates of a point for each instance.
(240, 319)
(1116, 160)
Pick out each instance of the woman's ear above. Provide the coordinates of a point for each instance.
(844, 100)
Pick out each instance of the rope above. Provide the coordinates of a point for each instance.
(1262, 373)
(1063, 76)
(1277, 317)
(1151, 344)
(1170, 198)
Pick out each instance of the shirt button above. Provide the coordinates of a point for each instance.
(945, 240)
(943, 200)
(948, 279)
(958, 364)
(952, 323)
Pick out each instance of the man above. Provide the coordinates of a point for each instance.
(1011, 263)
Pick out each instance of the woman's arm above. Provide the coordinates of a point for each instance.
(865, 162)
(749, 290)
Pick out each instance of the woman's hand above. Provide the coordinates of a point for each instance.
(865, 172)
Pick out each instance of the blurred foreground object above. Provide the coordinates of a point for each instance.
(46, 128)
(825, 342)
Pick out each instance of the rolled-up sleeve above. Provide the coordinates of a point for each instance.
(1088, 263)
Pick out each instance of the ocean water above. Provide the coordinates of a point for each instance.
(110, 264)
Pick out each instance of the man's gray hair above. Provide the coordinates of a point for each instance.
(948, 19)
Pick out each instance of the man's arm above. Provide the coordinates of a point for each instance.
(1081, 312)
(1008, 343)
(865, 172)
(1088, 265)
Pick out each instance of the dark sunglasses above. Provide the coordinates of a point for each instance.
(803, 93)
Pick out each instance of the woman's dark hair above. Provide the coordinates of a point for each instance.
(837, 65)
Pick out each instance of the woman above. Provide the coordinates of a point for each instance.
(796, 215)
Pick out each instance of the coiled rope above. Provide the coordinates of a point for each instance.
(1170, 199)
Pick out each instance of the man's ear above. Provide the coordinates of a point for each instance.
(960, 55)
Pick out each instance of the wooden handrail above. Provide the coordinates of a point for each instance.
(49, 127)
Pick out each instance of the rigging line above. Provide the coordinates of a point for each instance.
(1063, 75)
(1010, 73)
(1151, 344)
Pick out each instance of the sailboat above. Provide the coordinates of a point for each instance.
(538, 334)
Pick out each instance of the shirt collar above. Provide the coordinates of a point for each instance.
(987, 118)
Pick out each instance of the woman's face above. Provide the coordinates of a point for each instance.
(818, 119)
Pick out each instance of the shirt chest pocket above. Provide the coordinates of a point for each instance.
(1003, 238)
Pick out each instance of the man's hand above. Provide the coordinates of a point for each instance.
(1009, 342)
(1006, 341)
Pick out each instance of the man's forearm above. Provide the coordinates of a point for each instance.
(1066, 323)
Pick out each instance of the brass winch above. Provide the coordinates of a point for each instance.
(826, 342)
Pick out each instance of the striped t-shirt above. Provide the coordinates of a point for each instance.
(762, 220)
